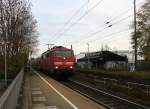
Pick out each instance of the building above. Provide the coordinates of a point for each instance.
(103, 60)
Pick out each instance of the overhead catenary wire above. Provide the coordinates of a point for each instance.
(108, 36)
(101, 30)
(116, 17)
(117, 22)
(110, 21)
(80, 18)
(109, 24)
(112, 34)
(109, 39)
(70, 19)
(104, 25)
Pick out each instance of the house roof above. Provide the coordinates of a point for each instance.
(103, 56)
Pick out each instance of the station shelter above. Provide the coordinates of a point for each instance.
(103, 60)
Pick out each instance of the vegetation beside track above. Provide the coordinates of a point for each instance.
(18, 35)
(118, 74)
(2, 76)
(121, 88)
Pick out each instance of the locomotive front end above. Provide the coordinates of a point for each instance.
(64, 60)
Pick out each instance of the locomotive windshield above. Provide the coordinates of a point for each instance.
(63, 54)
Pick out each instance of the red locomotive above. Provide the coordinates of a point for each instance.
(58, 61)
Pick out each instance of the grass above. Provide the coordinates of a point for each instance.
(126, 74)
(134, 93)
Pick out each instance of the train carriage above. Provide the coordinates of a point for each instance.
(58, 62)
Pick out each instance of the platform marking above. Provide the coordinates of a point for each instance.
(38, 105)
(36, 88)
(39, 99)
(51, 107)
(46, 107)
(35, 106)
(36, 92)
(57, 92)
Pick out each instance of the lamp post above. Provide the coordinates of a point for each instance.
(5, 64)
(31, 59)
(135, 39)
(5, 56)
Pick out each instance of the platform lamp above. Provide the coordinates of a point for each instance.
(5, 53)
(135, 39)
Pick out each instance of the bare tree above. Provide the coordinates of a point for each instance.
(143, 31)
(18, 28)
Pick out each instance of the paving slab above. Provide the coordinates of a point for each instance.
(43, 92)
(36, 92)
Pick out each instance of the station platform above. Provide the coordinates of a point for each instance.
(42, 92)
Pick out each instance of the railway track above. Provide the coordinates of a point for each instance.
(106, 99)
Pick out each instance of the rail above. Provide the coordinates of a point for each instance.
(10, 97)
(110, 101)
(130, 85)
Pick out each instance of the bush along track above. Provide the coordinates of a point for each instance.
(117, 84)
(142, 77)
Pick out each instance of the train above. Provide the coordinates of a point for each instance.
(58, 62)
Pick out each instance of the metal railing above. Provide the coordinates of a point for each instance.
(2, 84)
(10, 97)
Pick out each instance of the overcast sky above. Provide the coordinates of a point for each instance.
(52, 16)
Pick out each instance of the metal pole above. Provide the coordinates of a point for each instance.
(87, 5)
(135, 39)
(88, 55)
(49, 45)
(71, 47)
(30, 60)
(5, 64)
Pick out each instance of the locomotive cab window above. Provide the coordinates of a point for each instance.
(64, 54)
(47, 55)
(42, 57)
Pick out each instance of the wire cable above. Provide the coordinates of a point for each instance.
(80, 18)
(70, 19)
(101, 30)
(109, 24)
(107, 36)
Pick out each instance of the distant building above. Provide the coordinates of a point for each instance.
(131, 59)
(81, 55)
(103, 60)
(129, 54)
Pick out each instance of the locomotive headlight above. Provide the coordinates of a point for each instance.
(71, 67)
(56, 67)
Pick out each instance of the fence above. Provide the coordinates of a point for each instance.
(143, 65)
(2, 85)
(10, 97)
